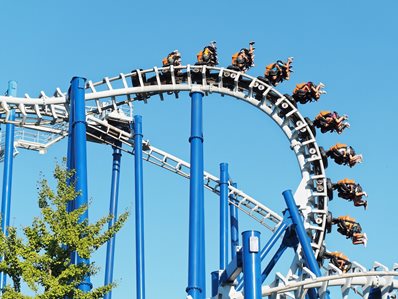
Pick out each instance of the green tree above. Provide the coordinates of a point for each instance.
(42, 258)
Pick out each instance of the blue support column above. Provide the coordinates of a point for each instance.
(7, 173)
(70, 161)
(303, 237)
(139, 208)
(234, 223)
(223, 215)
(215, 278)
(267, 248)
(196, 261)
(79, 161)
(251, 264)
(113, 204)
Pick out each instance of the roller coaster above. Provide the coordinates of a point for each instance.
(108, 119)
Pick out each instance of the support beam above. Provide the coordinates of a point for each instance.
(196, 260)
(303, 238)
(113, 204)
(139, 208)
(251, 264)
(234, 223)
(7, 173)
(79, 156)
(223, 215)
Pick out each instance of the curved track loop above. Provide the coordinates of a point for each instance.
(44, 112)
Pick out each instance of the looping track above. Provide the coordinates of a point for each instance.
(49, 114)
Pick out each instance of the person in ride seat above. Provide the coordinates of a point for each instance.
(344, 154)
(174, 58)
(350, 190)
(244, 59)
(348, 227)
(278, 71)
(208, 56)
(307, 92)
(331, 121)
(339, 260)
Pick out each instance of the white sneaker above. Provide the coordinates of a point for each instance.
(365, 240)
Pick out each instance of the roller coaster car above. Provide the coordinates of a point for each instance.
(316, 164)
(285, 108)
(330, 127)
(229, 78)
(342, 193)
(119, 119)
(349, 159)
(303, 133)
(135, 80)
(197, 75)
(302, 95)
(329, 222)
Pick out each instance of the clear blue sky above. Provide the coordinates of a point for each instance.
(351, 46)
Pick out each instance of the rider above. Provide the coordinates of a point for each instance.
(339, 260)
(208, 56)
(350, 190)
(244, 59)
(278, 71)
(331, 121)
(174, 58)
(344, 154)
(348, 227)
(307, 92)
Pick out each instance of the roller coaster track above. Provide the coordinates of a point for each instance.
(49, 114)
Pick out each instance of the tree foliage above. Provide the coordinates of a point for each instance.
(41, 259)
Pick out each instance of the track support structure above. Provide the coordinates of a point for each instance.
(113, 205)
(303, 238)
(139, 208)
(77, 158)
(7, 174)
(234, 224)
(251, 264)
(223, 215)
(196, 288)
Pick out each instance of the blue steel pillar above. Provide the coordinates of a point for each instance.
(267, 248)
(7, 173)
(79, 158)
(113, 203)
(251, 264)
(196, 260)
(303, 237)
(234, 223)
(223, 215)
(139, 208)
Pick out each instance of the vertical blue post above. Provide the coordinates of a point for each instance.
(234, 223)
(139, 208)
(7, 173)
(70, 162)
(251, 264)
(196, 257)
(215, 277)
(223, 215)
(267, 248)
(303, 237)
(79, 158)
(113, 203)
